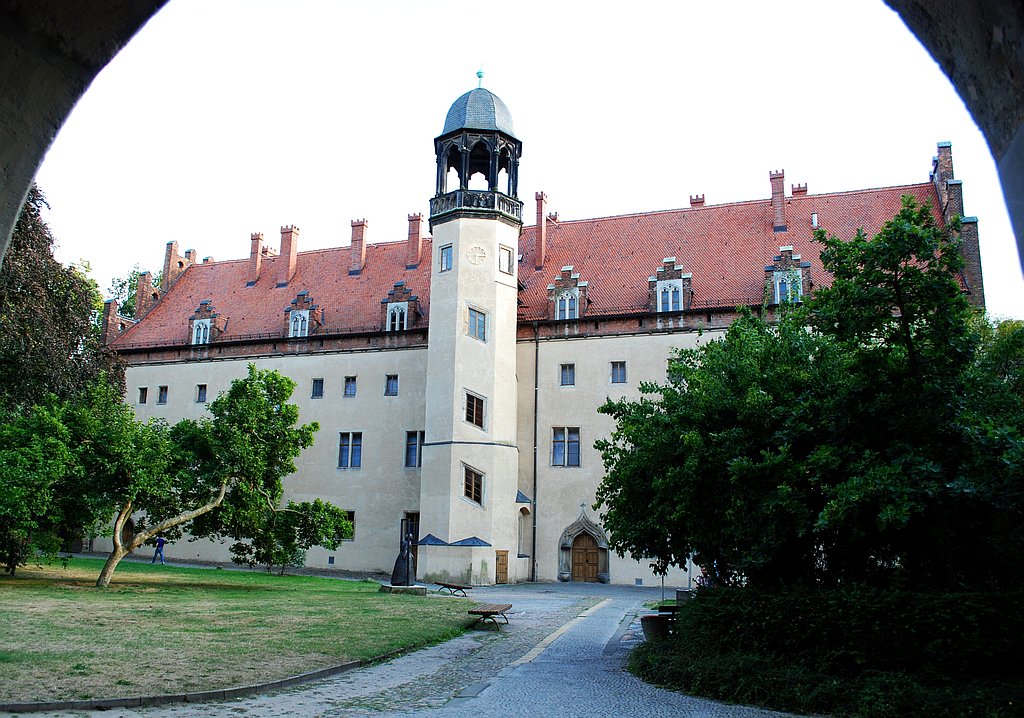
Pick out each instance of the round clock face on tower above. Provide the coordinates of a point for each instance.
(476, 254)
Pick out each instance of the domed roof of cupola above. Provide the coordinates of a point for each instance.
(478, 109)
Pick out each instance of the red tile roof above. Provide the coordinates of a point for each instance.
(725, 248)
(350, 303)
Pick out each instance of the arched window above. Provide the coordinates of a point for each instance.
(789, 286)
(670, 295)
(201, 331)
(675, 299)
(397, 317)
(299, 325)
(566, 306)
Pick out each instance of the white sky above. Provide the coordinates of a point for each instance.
(226, 117)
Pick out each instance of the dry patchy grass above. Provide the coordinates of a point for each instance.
(170, 630)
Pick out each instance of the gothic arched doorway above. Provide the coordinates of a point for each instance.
(584, 559)
(583, 551)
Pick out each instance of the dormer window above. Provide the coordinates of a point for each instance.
(201, 331)
(567, 305)
(670, 295)
(398, 317)
(789, 286)
(298, 325)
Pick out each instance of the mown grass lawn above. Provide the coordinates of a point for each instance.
(163, 629)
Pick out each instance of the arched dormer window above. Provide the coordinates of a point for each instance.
(201, 331)
(567, 305)
(789, 285)
(299, 323)
(398, 313)
(670, 295)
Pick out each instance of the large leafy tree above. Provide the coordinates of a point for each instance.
(49, 339)
(281, 536)
(872, 435)
(233, 462)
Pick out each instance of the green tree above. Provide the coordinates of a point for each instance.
(49, 339)
(283, 535)
(873, 435)
(233, 462)
(125, 290)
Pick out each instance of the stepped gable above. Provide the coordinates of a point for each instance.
(725, 247)
(351, 303)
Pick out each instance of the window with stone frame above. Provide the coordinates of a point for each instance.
(565, 446)
(350, 449)
(351, 516)
(200, 393)
(787, 278)
(298, 323)
(201, 331)
(473, 485)
(567, 375)
(318, 389)
(161, 395)
(397, 317)
(413, 449)
(350, 387)
(567, 295)
(567, 305)
(670, 289)
(391, 385)
(475, 408)
(477, 325)
(618, 372)
(506, 260)
(143, 394)
(445, 258)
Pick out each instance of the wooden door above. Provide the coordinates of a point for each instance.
(584, 558)
(501, 566)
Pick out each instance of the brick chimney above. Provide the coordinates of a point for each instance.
(778, 180)
(358, 251)
(415, 242)
(942, 169)
(289, 248)
(175, 264)
(255, 256)
(696, 200)
(145, 295)
(799, 190)
(108, 324)
(541, 244)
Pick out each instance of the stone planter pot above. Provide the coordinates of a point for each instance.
(655, 626)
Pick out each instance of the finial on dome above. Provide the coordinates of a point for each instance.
(480, 77)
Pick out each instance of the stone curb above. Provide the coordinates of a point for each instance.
(200, 696)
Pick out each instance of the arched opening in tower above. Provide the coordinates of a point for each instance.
(504, 178)
(479, 166)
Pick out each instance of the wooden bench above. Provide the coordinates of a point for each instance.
(488, 612)
(454, 589)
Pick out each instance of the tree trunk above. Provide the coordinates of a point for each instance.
(108, 568)
(120, 551)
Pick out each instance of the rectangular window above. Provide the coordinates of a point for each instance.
(565, 446)
(200, 393)
(352, 518)
(474, 485)
(478, 325)
(318, 389)
(161, 395)
(475, 410)
(618, 372)
(413, 449)
(567, 375)
(505, 256)
(350, 386)
(445, 258)
(143, 394)
(391, 385)
(350, 450)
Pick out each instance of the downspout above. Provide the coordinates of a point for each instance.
(536, 397)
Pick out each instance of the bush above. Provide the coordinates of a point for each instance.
(854, 652)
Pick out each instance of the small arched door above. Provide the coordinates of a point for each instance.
(584, 558)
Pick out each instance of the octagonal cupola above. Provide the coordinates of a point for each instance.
(477, 161)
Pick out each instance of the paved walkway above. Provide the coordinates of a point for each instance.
(562, 654)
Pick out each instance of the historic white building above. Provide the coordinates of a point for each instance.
(456, 377)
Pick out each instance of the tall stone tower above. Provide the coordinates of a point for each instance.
(468, 517)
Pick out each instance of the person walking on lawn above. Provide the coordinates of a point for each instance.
(160, 541)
